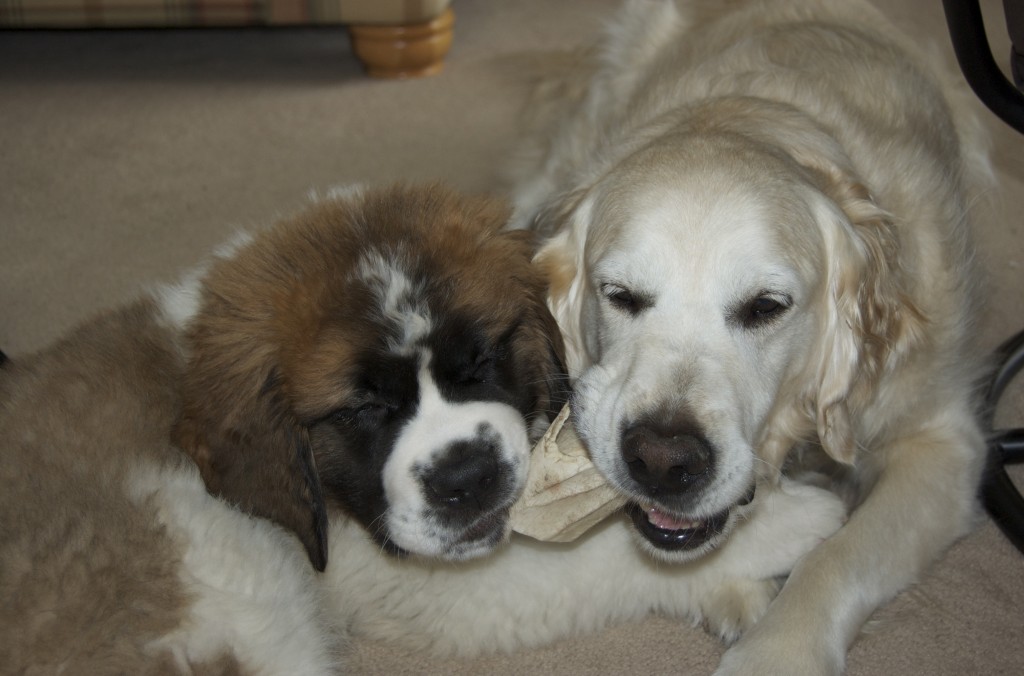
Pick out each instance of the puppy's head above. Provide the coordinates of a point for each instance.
(722, 300)
(387, 352)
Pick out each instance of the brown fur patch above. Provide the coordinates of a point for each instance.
(87, 578)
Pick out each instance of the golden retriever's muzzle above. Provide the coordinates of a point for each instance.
(672, 463)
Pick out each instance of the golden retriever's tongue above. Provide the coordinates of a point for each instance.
(660, 519)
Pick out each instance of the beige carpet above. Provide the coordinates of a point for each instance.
(124, 157)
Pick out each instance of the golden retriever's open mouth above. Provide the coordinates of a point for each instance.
(673, 533)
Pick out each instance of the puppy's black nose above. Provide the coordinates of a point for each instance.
(467, 478)
(667, 460)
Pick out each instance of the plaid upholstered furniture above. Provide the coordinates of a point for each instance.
(393, 38)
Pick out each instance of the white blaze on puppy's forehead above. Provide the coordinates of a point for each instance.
(399, 299)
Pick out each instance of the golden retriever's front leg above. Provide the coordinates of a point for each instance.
(923, 501)
(790, 520)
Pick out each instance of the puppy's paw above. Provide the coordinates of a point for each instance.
(732, 607)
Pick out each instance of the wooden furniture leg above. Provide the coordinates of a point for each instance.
(413, 50)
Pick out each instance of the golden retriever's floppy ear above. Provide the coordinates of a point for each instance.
(237, 426)
(870, 322)
(562, 261)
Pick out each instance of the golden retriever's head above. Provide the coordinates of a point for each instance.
(388, 352)
(726, 293)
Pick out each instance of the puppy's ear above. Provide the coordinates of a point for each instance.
(252, 451)
(871, 323)
(540, 351)
(552, 379)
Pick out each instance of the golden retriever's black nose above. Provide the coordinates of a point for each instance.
(666, 460)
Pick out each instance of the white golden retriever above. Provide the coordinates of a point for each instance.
(759, 255)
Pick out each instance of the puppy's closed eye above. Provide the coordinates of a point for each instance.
(369, 413)
(479, 370)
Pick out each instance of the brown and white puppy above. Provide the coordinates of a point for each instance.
(385, 354)
(759, 250)
(382, 356)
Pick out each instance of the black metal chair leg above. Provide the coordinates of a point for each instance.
(966, 25)
(1000, 496)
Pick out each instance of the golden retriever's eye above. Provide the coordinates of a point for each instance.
(623, 299)
(762, 307)
(761, 310)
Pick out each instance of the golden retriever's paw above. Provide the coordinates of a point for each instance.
(732, 607)
(766, 650)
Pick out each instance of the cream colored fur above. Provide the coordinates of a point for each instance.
(532, 593)
(796, 155)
